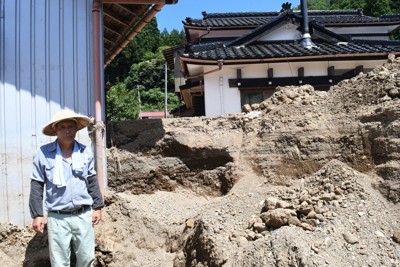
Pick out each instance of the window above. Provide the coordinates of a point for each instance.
(254, 97)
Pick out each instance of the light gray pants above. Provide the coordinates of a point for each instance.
(64, 228)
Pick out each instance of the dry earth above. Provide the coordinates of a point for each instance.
(306, 178)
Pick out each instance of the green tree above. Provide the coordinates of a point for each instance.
(348, 4)
(122, 104)
(377, 8)
(150, 73)
(173, 38)
(335, 4)
(153, 100)
(149, 76)
(395, 7)
(164, 35)
(148, 40)
(374, 8)
(141, 64)
(318, 4)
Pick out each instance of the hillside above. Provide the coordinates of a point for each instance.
(306, 178)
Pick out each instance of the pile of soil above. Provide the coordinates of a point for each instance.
(305, 178)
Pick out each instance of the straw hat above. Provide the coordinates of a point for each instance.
(81, 121)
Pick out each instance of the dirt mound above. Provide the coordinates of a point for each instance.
(305, 178)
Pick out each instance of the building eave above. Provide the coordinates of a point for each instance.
(371, 56)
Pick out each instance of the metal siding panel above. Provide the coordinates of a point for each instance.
(3, 184)
(11, 145)
(83, 64)
(46, 64)
(83, 60)
(67, 40)
(40, 77)
(26, 106)
(55, 61)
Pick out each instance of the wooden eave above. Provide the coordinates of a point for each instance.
(205, 28)
(123, 19)
(385, 23)
(186, 61)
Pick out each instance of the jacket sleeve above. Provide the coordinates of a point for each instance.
(36, 199)
(95, 192)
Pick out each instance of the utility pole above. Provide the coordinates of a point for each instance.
(165, 92)
(140, 109)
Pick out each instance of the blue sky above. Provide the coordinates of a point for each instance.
(171, 16)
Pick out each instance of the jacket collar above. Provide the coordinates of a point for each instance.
(53, 146)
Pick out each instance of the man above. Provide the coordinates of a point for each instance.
(65, 170)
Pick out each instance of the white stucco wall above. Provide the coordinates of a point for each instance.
(363, 29)
(220, 99)
(285, 32)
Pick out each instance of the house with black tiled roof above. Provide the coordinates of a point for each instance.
(232, 59)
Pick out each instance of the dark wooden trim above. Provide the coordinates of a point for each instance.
(359, 69)
(285, 81)
(239, 74)
(331, 71)
(300, 72)
(270, 72)
(317, 58)
(190, 85)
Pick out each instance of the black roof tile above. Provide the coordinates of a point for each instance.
(264, 50)
(254, 19)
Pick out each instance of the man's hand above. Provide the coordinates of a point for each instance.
(96, 216)
(38, 224)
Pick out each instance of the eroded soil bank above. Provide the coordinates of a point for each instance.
(306, 178)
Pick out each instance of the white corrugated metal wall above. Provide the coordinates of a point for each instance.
(46, 64)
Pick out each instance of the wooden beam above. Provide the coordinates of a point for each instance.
(331, 71)
(187, 98)
(270, 72)
(128, 10)
(112, 30)
(300, 72)
(239, 74)
(359, 69)
(251, 83)
(238, 77)
(115, 17)
(352, 57)
(106, 40)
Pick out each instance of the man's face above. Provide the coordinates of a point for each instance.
(66, 130)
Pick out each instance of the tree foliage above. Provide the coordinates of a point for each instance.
(148, 40)
(377, 8)
(150, 73)
(347, 4)
(141, 66)
(318, 5)
(374, 8)
(173, 38)
(122, 104)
